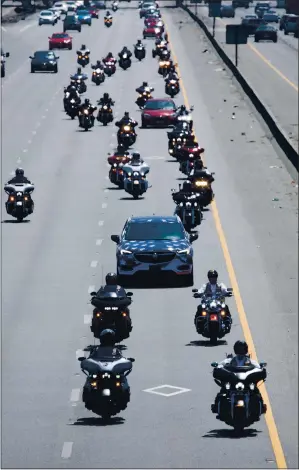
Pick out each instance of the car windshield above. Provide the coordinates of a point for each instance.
(83, 12)
(269, 16)
(154, 231)
(265, 27)
(159, 105)
(60, 36)
(44, 55)
(292, 20)
(46, 13)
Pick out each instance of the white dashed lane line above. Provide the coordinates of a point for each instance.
(75, 395)
(99, 242)
(101, 223)
(67, 450)
(79, 353)
(91, 289)
(87, 319)
(104, 205)
(93, 264)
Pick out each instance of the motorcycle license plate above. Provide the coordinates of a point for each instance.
(19, 203)
(136, 182)
(213, 318)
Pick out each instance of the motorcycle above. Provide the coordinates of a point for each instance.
(113, 313)
(98, 76)
(19, 204)
(201, 184)
(86, 119)
(125, 62)
(116, 174)
(72, 108)
(211, 320)
(158, 50)
(187, 117)
(135, 184)
(143, 98)
(164, 66)
(109, 68)
(172, 88)
(186, 166)
(126, 136)
(239, 403)
(83, 59)
(105, 115)
(108, 22)
(139, 52)
(81, 86)
(114, 6)
(184, 148)
(190, 214)
(106, 391)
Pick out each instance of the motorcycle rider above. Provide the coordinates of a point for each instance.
(83, 51)
(210, 289)
(137, 162)
(125, 50)
(79, 75)
(90, 107)
(144, 87)
(111, 286)
(108, 15)
(73, 94)
(139, 43)
(121, 151)
(185, 194)
(127, 120)
(98, 65)
(109, 58)
(172, 75)
(106, 100)
(20, 178)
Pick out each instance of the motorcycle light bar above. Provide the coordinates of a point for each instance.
(201, 184)
(127, 128)
(213, 317)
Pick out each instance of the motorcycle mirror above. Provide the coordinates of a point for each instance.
(193, 237)
(194, 290)
(115, 239)
(82, 358)
(213, 173)
(197, 295)
(214, 364)
(109, 153)
(92, 294)
(192, 108)
(201, 150)
(30, 57)
(229, 289)
(131, 359)
(129, 294)
(263, 364)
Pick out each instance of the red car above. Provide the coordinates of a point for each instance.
(158, 112)
(152, 32)
(94, 11)
(60, 41)
(152, 21)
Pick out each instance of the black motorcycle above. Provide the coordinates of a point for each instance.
(139, 52)
(72, 108)
(105, 115)
(143, 98)
(172, 88)
(211, 319)
(98, 76)
(83, 59)
(202, 185)
(106, 391)
(125, 62)
(19, 203)
(126, 136)
(189, 212)
(239, 403)
(86, 119)
(81, 86)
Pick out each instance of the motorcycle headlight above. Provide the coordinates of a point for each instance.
(130, 174)
(251, 386)
(142, 174)
(125, 252)
(161, 64)
(201, 184)
(240, 386)
(172, 82)
(86, 111)
(127, 128)
(52, 62)
(184, 252)
(105, 107)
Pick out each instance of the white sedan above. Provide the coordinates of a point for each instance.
(60, 6)
(57, 13)
(47, 17)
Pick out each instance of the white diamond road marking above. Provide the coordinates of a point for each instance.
(171, 394)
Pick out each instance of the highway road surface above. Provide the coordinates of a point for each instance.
(51, 261)
(270, 68)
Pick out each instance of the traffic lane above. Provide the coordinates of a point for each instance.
(281, 95)
(42, 90)
(163, 340)
(258, 205)
(57, 245)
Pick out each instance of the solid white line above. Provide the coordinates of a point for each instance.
(75, 394)
(67, 450)
(104, 205)
(101, 223)
(99, 242)
(43, 117)
(93, 264)
(19, 160)
(87, 319)
(91, 289)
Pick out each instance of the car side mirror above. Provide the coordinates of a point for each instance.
(197, 295)
(131, 359)
(194, 290)
(82, 358)
(30, 57)
(115, 239)
(109, 154)
(263, 364)
(93, 294)
(57, 57)
(213, 173)
(193, 237)
(129, 294)
(229, 289)
(192, 108)
(214, 364)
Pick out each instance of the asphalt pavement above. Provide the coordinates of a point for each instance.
(52, 260)
(270, 68)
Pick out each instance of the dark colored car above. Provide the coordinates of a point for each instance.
(259, 5)
(261, 11)
(289, 23)
(71, 22)
(155, 246)
(44, 61)
(240, 3)
(100, 4)
(251, 24)
(227, 11)
(146, 7)
(158, 112)
(60, 41)
(4, 55)
(265, 32)
(271, 17)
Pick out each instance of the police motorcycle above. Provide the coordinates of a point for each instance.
(98, 75)
(212, 319)
(106, 391)
(19, 204)
(239, 403)
(111, 311)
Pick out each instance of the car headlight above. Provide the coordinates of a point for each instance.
(125, 252)
(184, 252)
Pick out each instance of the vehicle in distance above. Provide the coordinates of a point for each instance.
(94, 11)
(44, 61)
(60, 41)
(158, 112)
(251, 24)
(100, 4)
(71, 22)
(240, 3)
(84, 16)
(265, 32)
(56, 13)
(155, 246)
(60, 6)
(47, 17)
(4, 55)
(227, 11)
(271, 17)
(288, 24)
(71, 6)
(262, 5)
(146, 7)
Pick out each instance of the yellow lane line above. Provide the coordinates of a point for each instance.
(267, 62)
(273, 432)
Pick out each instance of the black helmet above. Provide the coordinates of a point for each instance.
(187, 186)
(144, 84)
(83, 47)
(136, 156)
(111, 279)
(87, 101)
(98, 62)
(183, 107)
(107, 338)
(110, 54)
(198, 163)
(212, 273)
(19, 172)
(125, 48)
(126, 114)
(241, 348)
(79, 70)
(106, 96)
(108, 13)
(138, 41)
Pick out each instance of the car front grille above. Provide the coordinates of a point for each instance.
(160, 257)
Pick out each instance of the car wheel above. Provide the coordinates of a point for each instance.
(55, 69)
(286, 33)
(256, 40)
(275, 40)
(188, 281)
(79, 30)
(70, 48)
(50, 48)
(143, 124)
(32, 70)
